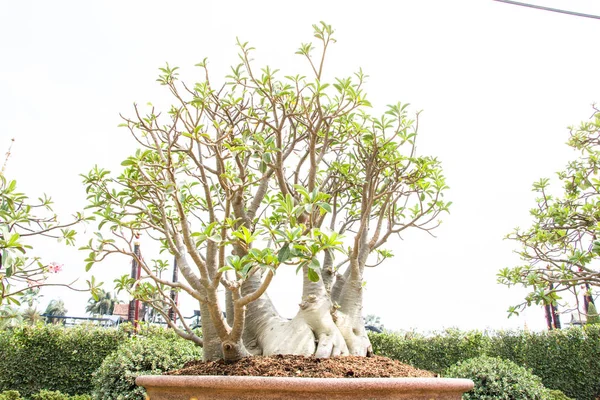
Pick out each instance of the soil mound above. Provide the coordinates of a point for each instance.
(306, 367)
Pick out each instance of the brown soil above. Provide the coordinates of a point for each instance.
(307, 367)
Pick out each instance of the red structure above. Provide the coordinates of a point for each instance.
(587, 299)
(136, 271)
(552, 317)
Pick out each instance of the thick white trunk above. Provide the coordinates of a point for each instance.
(350, 321)
(319, 328)
(211, 349)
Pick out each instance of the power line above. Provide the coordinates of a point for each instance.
(550, 9)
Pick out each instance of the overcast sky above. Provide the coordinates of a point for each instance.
(498, 85)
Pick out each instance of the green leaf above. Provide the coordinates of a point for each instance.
(314, 263)
(313, 276)
(10, 299)
(284, 253)
(325, 206)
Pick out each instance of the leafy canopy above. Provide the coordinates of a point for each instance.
(561, 248)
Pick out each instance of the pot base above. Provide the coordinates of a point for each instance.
(164, 387)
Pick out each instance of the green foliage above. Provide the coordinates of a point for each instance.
(32, 316)
(592, 315)
(10, 316)
(102, 302)
(43, 395)
(21, 219)
(496, 378)
(55, 308)
(153, 355)
(557, 395)
(434, 353)
(57, 395)
(566, 360)
(560, 248)
(53, 358)
(10, 395)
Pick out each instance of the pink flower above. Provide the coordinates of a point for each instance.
(54, 267)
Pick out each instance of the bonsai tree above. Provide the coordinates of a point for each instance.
(261, 173)
(561, 248)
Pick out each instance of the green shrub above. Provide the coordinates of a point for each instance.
(10, 395)
(53, 357)
(495, 378)
(56, 395)
(43, 395)
(153, 355)
(557, 395)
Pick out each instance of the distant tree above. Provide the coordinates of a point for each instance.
(373, 320)
(592, 315)
(55, 308)
(103, 304)
(561, 248)
(31, 316)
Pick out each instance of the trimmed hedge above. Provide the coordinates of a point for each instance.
(435, 353)
(567, 360)
(53, 357)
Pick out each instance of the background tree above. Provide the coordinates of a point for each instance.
(267, 172)
(592, 315)
(102, 303)
(561, 248)
(55, 308)
(21, 220)
(374, 321)
(31, 316)
(31, 298)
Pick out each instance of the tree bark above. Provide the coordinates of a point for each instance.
(317, 329)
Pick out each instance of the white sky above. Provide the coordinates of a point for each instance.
(498, 84)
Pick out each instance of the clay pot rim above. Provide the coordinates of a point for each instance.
(302, 384)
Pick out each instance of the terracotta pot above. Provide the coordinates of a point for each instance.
(166, 387)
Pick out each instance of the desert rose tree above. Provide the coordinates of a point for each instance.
(268, 171)
(561, 248)
(22, 221)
